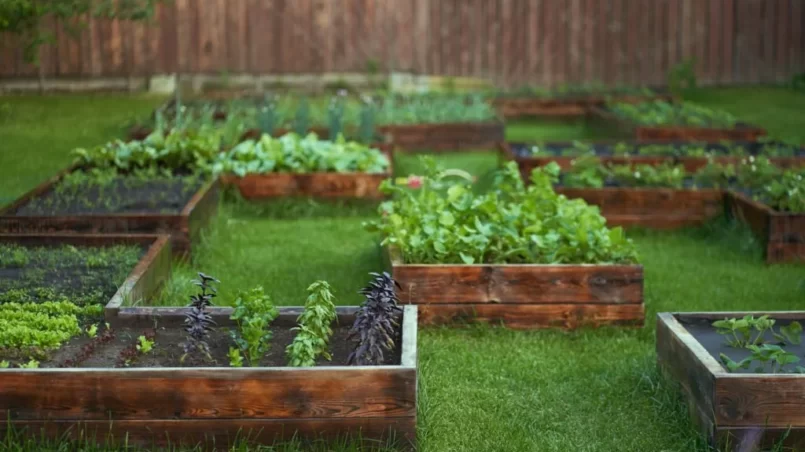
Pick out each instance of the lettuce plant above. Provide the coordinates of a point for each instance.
(377, 322)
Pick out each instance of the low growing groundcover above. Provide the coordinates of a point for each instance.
(486, 388)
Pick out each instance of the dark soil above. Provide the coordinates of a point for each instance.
(716, 344)
(607, 149)
(82, 275)
(168, 350)
(122, 196)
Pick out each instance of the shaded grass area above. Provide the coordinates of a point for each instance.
(492, 389)
(39, 131)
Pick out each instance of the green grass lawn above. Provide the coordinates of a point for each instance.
(482, 388)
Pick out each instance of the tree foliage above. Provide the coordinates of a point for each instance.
(25, 17)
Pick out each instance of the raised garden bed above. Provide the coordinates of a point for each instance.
(557, 152)
(739, 132)
(657, 208)
(214, 406)
(163, 205)
(522, 296)
(444, 136)
(573, 105)
(782, 233)
(738, 410)
(132, 269)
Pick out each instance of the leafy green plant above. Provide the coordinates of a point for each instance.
(198, 322)
(4, 364)
(92, 331)
(659, 150)
(786, 193)
(314, 330)
(434, 108)
(144, 345)
(335, 116)
(585, 172)
(32, 364)
(578, 149)
(235, 358)
(294, 154)
(377, 322)
(748, 330)
(660, 113)
(444, 221)
(254, 311)
(767, 354)
(714, 175)
(756, 172)
(665, 175)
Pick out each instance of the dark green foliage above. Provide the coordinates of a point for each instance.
(254, 312)
(301, 119)
(786, 193)
(377, 322)
(752, 333)
(314, 330)
(660, 113)
(682, 76)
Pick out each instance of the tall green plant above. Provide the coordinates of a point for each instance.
(314, 330)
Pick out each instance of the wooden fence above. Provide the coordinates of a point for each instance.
(510, 41)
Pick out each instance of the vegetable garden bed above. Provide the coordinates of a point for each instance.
(741, 409)
(737, 132)
(658, 208)
(782, 233)
(515, 107)
(164, 205)
(205, 403)
(650, 152)
(85, 277)
(444, 136)
(522, 296)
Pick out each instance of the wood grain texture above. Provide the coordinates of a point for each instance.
(177, 225)
(534, 316)
(215, 434)
(319, 185)
(782, 233)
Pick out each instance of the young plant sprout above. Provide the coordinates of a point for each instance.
(376, 322)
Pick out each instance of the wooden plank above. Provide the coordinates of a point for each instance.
(560, 47)
(532, 316)
(782, 42)
(681, 356)
(674, 51)
(408, 357)
(213, 434)
(209, 393)
(513, 284)
(325, 185)
(746, 400)
(728, 40)
(797, 43)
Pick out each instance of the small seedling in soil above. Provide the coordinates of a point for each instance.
(130, 354)
(197, 321)
(32, 364)
(4, 364)
(144, 345)
(739, 332)
(376, 322)
(92, 331)
(773, 355)
(235, 358)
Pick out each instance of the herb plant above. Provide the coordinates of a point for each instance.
(314, 331)
(254, 312)
(445, 222)
(198, 322)
(377, 322)
(752, 333)
(786, 193)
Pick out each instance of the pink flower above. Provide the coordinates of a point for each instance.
(414, 182)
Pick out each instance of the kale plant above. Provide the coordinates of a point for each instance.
(198, 322)
(377, 322)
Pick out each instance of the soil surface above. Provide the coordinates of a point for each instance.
(83, 275)
(168, 350)
(608, 150)
(121, 196)
(716, 344)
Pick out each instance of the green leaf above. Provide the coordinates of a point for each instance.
(469, 260)
(792, 332)
(447, 219)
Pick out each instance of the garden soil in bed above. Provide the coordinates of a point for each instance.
(715, 343)
(83, 275)
(121, 196)
(168, 350)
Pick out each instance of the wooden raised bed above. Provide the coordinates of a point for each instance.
(781, 233)
(317, 185)
(691, 164)
(741, 131)
(564, 107)
(184, 227)
(444, 137)
(522, 296)
(214, 406)
(658, 208)
(731, 408)
(144, 280)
